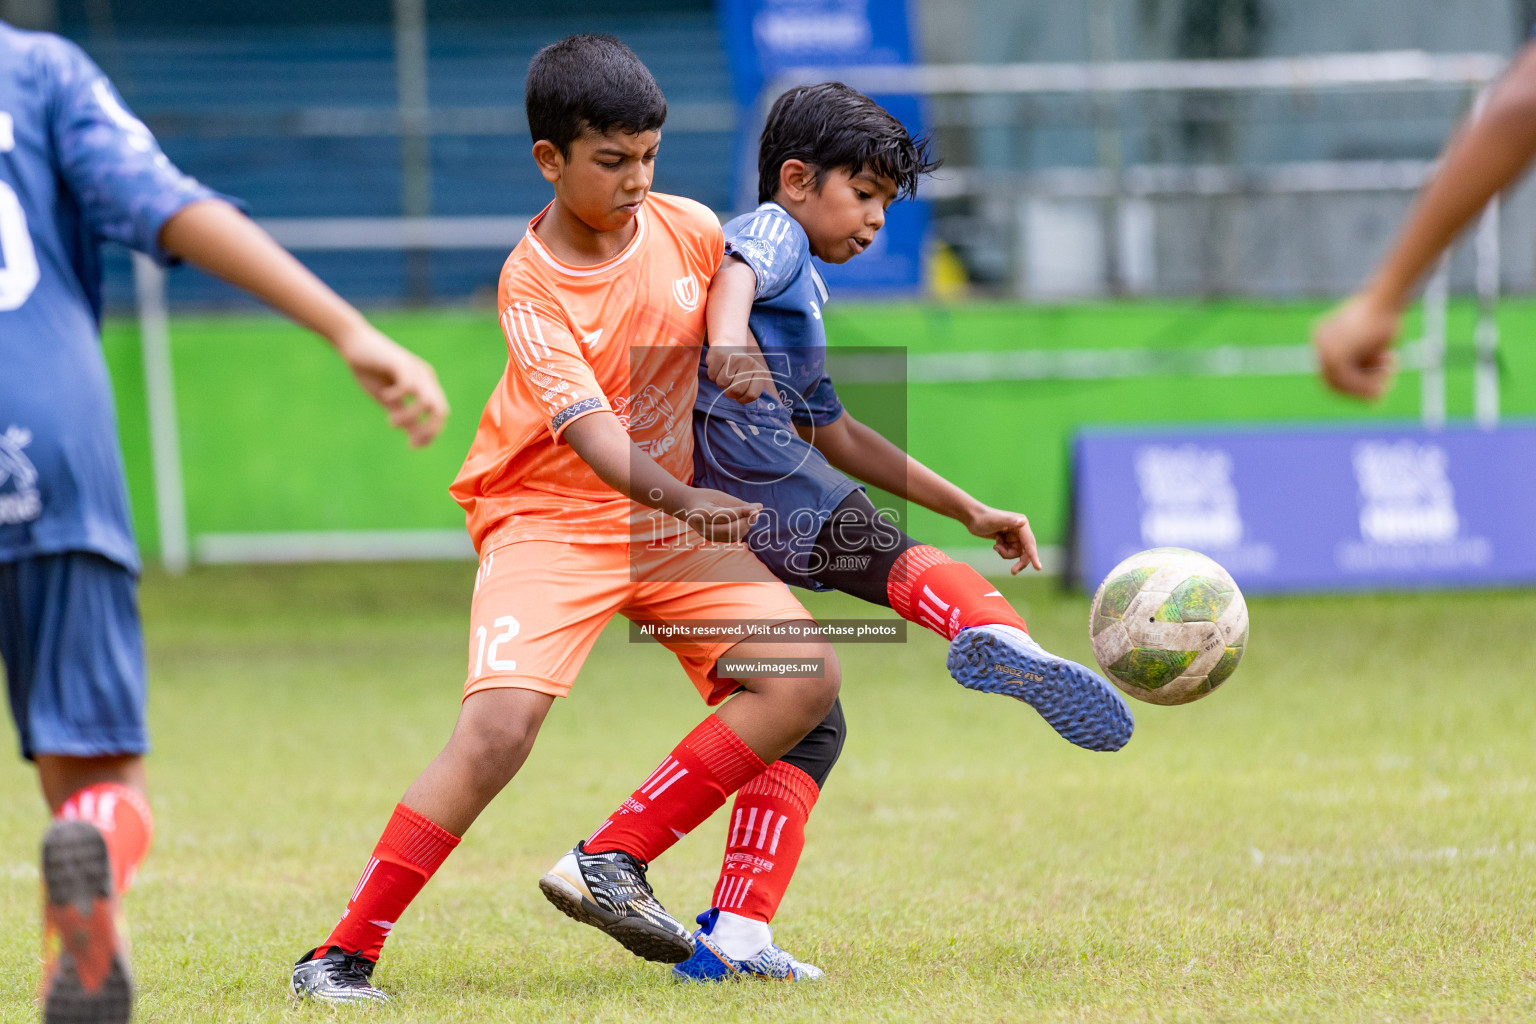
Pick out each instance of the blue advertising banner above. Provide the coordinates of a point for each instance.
(764, 39)
(1336, 508)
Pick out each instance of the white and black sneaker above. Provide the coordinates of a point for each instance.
(336, 977)
(609, 892)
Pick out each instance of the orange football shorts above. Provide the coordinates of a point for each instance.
(539, 606)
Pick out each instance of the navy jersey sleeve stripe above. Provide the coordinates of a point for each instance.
(774, 246)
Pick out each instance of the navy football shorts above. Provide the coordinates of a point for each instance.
(74, 655)
(798, 488)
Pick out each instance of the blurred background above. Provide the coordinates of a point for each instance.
(1144, 206)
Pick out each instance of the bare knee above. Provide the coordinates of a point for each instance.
(489, 740)
(493, 737)
(814, 695)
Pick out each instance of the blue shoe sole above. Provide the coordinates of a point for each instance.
(709, 966)
(1075, 701)
(697, 976)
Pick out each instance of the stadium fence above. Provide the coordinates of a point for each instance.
(1118, 189)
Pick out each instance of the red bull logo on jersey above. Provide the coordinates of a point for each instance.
(20, 501)
(641, 412)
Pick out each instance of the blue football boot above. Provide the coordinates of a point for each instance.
(709, 963)
(1074, 700)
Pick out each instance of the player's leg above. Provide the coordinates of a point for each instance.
(491, 739)
(819, 530)
(73, 651)
(602, 881)
(990, 649)
(531, 626)
(765, 833)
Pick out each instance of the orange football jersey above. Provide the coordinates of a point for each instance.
(624, 336)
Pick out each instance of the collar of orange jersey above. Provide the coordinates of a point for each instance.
(598, 268)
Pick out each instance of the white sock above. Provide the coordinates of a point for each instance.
(740, 938)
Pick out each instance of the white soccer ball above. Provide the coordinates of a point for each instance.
(1168, 625)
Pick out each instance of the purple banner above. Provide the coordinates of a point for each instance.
(1328, 508)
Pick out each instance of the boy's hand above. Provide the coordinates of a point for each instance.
(741, 371)
(716, 516)
(213, 235)
(1354, 346)
(398, 379)
(1012, 534)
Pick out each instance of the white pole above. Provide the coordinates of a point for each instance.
(1287, 74)
(1101, 36)
(1432, 349)
(160, 393)
(415, 113)
(415, 135)
(1485, 336)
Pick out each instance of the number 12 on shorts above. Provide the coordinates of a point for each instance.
(486, 654)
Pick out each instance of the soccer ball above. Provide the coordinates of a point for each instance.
(1168, 626)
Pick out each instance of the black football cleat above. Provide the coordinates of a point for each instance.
(86, 978)
(609, 892)
(336, 977)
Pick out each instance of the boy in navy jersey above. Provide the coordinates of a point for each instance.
(76, 169)
(769, 428)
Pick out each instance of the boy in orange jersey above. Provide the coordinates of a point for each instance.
(584, 445)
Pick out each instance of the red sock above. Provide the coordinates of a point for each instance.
(929, 588)
(709, 765)
(411, 849)
(763, 841)
(125, 821)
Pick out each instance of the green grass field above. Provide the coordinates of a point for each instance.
(276, 437)
(1342, 833)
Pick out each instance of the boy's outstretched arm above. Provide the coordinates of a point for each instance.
(604, 444)
(734, 360)
(218, 238)
(863, 452)
(1485, 155)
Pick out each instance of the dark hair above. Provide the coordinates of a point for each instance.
(832, 126)
(590, 83)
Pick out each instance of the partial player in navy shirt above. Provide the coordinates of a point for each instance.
(786, 320)
(77, 169)
(769, 428)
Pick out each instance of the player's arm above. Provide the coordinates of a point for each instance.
(734, 361)
(130, 193)
(864, 453)
(218, 238)
(1483, 157)
(604, 444)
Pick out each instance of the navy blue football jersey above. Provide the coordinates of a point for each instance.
(785, 320)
